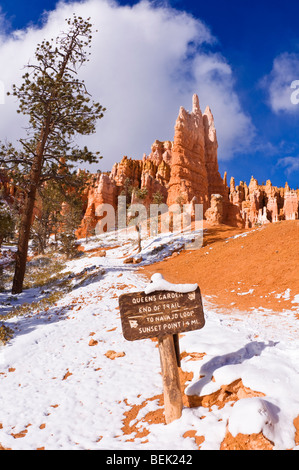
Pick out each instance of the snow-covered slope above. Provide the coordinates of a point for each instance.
(68, 378)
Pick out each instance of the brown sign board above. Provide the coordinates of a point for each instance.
(160, 313)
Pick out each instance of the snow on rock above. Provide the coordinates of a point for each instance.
(253, 415)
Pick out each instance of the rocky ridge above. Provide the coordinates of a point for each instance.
(181, 172)
(186, 171)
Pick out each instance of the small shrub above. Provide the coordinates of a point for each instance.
(6, 334)
(158, 198)
(140, 193)
(68, 245)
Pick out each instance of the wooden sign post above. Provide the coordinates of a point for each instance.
(163, 314)
(173, 401)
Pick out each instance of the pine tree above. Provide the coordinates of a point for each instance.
(59, 107)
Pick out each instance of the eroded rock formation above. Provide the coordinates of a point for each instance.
(214, 215)
(186, 171)
(261, 204)
(188, 177)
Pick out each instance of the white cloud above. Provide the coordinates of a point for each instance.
(146, 62)
(278, 83)
(291, 164)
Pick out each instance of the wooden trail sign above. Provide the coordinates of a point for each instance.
(160, 313)
(163, 314)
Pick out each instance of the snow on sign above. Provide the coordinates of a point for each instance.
(160, 313)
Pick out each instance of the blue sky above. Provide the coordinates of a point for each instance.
(256, 47)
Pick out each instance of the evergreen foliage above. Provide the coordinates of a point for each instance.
(59, 108)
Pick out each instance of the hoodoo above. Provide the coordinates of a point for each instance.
(186, 171)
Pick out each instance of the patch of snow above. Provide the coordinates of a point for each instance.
(159, 283)
(252, 416)
(246, 293)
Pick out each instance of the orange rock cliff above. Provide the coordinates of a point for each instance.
(185, 171)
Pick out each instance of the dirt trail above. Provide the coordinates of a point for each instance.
(259, 269)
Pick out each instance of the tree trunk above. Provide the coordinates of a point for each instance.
(24, 233)
(138, 229)
(26, 219)
(1, 277)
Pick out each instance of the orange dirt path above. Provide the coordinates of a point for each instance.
(245, 272)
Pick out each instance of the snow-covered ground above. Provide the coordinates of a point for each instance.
(68, 376)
